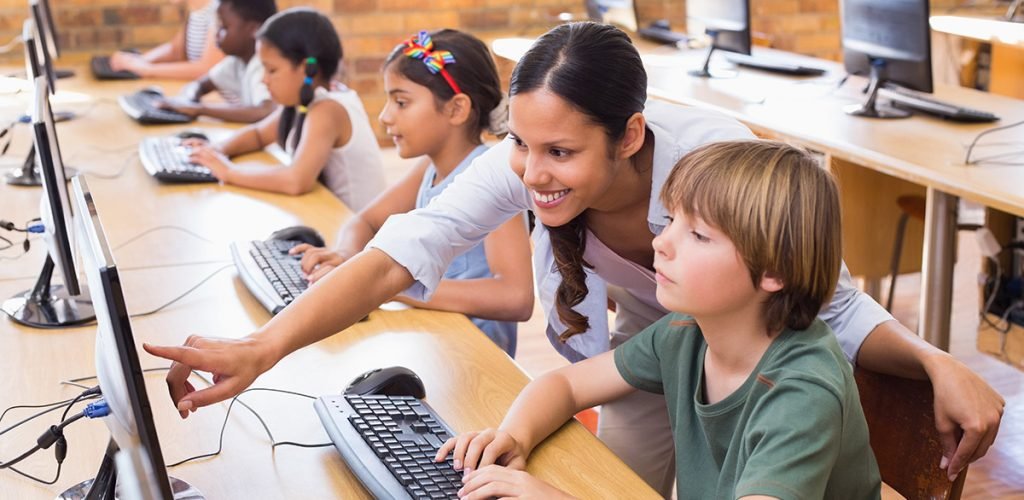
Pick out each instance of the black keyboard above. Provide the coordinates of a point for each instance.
(142, 107)
(662, 35)
(389, 443)
(774, 65)
(271, 275)
(166, 159)
(102, 71)
(915, 101)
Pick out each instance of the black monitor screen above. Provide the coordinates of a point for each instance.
(117, 360)
(32, 63)
(728, 20)
(42, 46)
(893, 31)
(55, 206)
(51, 29)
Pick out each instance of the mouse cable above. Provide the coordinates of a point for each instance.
(274, 444)
(967, 157)
(120, 171)
(161, 228)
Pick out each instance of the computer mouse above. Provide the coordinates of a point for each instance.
(661, 24)
(390, 381)
(304, 234)
(154, 91)
(192, 134)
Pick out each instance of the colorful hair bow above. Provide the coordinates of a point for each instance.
(421, 47)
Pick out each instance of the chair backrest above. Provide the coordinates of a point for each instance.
(901, 421)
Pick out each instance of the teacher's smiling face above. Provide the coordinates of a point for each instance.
(563, 156)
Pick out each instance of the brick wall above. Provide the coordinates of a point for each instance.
(371, 28)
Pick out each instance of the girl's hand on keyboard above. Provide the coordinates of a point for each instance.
(495, 481)
(212, 159)
(473, 450)
(317, 261)
(182, 106)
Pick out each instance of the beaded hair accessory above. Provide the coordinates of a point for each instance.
(421, 47)
(306, 92)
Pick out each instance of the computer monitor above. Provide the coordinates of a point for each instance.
(46, 305)
(727, 22)
(50, 29)
(621, 13)
(43, 45)
(131, 425)
(890, 42)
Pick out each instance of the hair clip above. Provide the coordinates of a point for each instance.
(421, 47)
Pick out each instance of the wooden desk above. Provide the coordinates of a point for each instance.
(808, 111)
(469, 381)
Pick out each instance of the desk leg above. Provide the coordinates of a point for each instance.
(937, 268)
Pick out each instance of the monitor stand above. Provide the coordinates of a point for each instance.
(49, 306)
(705, 71)
(1015, 7)
(104, 485)
(28, 174)
(870, 108)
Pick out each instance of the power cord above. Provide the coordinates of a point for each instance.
(183, 294)
(120, 171)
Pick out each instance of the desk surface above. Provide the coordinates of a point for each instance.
(923, 150)
(469, 381)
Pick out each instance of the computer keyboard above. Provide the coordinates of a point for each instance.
(166, 159)
(271, 275)
(915, 101)
(662, 35)
(102, 71)
(389, 443)
(142, 107)
(774, 65)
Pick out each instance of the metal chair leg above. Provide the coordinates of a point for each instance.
(897, 251)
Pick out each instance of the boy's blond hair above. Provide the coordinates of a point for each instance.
(779, 207)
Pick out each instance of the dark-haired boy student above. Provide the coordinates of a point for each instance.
(239, 77)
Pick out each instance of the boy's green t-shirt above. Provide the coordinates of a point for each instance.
(794, 430)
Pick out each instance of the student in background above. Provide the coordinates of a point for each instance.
(239, 76)
(325, 132)
(187, 56)
(763, 401)
(443, 92)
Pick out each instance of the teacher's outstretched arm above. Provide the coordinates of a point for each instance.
(344, 296)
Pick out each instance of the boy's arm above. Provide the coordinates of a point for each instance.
(558, 395)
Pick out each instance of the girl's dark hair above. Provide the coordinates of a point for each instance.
(598, 71)
(473, 70)
(299, 34)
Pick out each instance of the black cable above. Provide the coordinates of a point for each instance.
(37, 415)
(54, 431)
(183, 294)
(273, 445)
(120, 171)
(967, 158)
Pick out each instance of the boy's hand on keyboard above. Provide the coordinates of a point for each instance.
(317, 261)
(473, 450)
(495, 481)
(212, 159)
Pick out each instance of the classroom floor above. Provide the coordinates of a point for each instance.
(1000, 474)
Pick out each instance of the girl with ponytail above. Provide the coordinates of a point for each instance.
(325, 131)
(443, 93)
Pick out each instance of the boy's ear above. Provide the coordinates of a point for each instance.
(771, 283)
(459, 108)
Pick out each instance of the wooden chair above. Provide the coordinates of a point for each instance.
(901, 421)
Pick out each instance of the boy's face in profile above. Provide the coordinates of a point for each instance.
(235, 35)
(698, 269)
